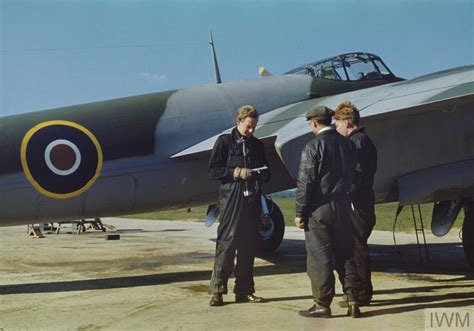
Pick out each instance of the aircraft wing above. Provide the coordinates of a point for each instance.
(442, 90)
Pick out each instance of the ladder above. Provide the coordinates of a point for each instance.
(419, 232)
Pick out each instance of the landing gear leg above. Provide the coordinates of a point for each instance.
(272, 227)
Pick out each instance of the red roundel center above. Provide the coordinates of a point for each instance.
(63, 157)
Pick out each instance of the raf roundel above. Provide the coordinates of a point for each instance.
(61, 159)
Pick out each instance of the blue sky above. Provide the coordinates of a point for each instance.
(59, 53)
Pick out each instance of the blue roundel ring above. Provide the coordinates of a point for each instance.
(61, 159)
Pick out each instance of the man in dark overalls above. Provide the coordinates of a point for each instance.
(323, 211)
(238, 161)
(347, 119)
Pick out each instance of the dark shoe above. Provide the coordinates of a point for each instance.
(353, 310)
(316, 311)
(216, 300)
(248, 298)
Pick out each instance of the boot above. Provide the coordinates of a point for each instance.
(216, 300)
(353, 305)
(353, 310)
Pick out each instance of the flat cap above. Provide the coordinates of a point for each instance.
(319, 113)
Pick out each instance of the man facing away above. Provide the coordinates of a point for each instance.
(347, 120)
(323, 210)
(233, 161)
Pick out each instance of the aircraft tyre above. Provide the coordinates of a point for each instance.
(468, 232)
(270, 233)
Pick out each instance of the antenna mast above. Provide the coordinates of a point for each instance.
(214, 58)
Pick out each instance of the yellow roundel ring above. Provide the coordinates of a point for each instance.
(61, 159)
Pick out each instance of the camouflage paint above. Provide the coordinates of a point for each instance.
(124, 127)
(463, 89)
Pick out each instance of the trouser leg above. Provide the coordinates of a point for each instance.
(319, 262)
(247, 245)
(363, 225)
(364, 221)
(343, 239)
(346, 268)
(244, 283)
(223, 267)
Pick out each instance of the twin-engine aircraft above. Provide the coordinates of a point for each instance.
(150, 152)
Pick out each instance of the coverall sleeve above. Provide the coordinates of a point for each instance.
(355, 163)
(366, 163)
(218, 167)
(368, 157)
(264, 175)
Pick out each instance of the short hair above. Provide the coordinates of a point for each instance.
(323, 121)
(347, 111)
(246, 111)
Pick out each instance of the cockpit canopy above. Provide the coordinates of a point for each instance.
(347, 67)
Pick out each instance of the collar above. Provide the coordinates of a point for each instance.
(325, 129)
(237, 136)
(359, 129)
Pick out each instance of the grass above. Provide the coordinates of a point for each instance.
(385, 215)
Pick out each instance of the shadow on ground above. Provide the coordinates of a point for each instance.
(446, 259)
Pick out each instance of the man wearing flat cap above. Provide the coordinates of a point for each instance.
(322, 208)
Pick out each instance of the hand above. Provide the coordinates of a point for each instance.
(242, 173)
(299, 222)
(245, 173)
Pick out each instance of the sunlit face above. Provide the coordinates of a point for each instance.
(246, 127)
